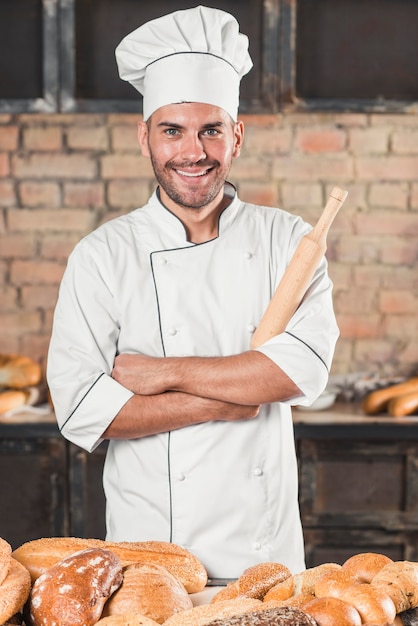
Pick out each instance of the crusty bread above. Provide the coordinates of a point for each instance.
(18, 371)
(254, 582)
(149, 590)
(406, 404)
(73, 591)
(126, 619)
(332, 612)
(205, 613)
(14, 590)
(5, 557)
(40, 554)
(374, 605)
(366, 565)
(279, 616)
(400, 581)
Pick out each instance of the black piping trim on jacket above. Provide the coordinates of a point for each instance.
(85, 395)
(308, 346)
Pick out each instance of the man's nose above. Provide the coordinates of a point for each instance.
(192, 148)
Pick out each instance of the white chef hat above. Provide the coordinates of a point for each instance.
(192, 55)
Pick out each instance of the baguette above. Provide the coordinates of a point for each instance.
(406, 404)
(40, 554)
(378, 401)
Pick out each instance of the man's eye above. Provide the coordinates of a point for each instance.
(211, 131)
(171, 131)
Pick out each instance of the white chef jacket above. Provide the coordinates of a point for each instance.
(226, 491)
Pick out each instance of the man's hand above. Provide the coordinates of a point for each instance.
(143, 375)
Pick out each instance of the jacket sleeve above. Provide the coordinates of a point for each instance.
(304, 351)
(82, 351)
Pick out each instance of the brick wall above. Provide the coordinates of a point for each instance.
(63, 175)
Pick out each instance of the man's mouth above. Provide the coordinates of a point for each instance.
(192, 174)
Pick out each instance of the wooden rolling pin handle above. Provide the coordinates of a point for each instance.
(298, 274)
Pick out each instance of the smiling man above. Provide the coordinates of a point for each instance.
(150, 343)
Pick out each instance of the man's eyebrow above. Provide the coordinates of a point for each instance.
(168, 124)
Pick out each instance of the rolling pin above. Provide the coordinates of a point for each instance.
(298, 274)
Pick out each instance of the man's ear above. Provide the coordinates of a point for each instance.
(143, 138)
(239, 138)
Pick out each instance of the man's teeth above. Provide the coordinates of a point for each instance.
(192, 175)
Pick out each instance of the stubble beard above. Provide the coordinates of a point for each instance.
(198, 197)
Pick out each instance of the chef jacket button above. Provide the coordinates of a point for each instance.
(257, 546)
(163, 261)
(258, 471)
(181, 477)
(251, 328)
(172, 331)
(248, 255)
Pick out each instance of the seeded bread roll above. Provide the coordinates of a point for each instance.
(40, 554)
(14, 590)
(149, 590)
(73, 591)
(254, 582)
(206, 613)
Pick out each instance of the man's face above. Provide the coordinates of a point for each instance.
(191, 146)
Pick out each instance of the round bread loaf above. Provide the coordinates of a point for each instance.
(373, 604)
(254, 582)
(17, 371)
(74, 591)
(5, 557)
(332, 612)
(39, 555)
(14, 590)
(279, 616)
(366, 565)
(149, 590)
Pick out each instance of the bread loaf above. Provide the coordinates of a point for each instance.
(366, 565)
(18, 371)
(400, 581)
(206, 613)
(332, 612)
(254, 582)
(332, 584)
(14, 590)
(73, 591)
(11, 399)
(149, 590)
(378, 401)
(279, 616)
(5, 557)
(406, 404)
(40, 554)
